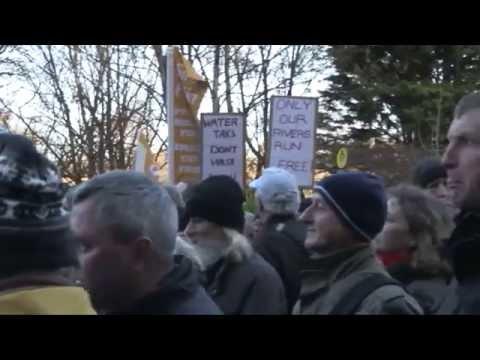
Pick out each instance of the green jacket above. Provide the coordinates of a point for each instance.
(326, 279)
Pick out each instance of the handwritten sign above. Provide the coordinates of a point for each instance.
(292, 136)
(223, 146)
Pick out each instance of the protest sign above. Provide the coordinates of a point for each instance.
(185, 90)
(223, 146)
(292, 136)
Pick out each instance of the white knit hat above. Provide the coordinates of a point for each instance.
(278, 190)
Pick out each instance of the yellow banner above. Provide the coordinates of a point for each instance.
(189, 89)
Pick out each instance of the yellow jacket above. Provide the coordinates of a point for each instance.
(47, 300)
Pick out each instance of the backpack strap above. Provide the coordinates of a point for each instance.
(354, 297)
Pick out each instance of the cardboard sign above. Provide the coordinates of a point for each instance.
(223, 146)
(292, 136)
(185, 90)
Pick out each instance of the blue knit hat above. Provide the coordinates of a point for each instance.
(358, 199)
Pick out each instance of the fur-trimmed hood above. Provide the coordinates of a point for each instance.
(239, 249)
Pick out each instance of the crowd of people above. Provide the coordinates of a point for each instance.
(122, 243)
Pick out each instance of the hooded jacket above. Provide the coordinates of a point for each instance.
(178, 293)
(242, 282)
(327, 279)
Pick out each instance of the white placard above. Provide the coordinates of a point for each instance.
(292, 136)
(223, 146)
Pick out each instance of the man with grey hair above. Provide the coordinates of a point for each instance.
(279, 235)
(127, 225)
(462, 162)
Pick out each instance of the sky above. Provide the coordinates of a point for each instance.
(21, 97)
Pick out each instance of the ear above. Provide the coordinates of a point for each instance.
(142, 248)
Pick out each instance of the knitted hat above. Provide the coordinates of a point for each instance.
(427, 171)
(358, 199)
(218, 199)
(33, 225)
(30, 189)
(278, 190)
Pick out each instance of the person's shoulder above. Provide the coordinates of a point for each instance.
(391, 299)
(258, 268)
(197, 302)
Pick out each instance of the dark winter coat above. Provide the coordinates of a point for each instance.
(179, 293)
(244, 283)
(281, 245)
(434, 292)
(463, 252)
(328, 279)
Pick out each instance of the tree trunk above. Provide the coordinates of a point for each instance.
(227, 79)
(216, 76)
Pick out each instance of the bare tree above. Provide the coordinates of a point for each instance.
(90, 103)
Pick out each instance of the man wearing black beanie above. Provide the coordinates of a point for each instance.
(343, 275)
(238, 279)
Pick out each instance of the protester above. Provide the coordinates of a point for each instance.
(410, 244)
(431, 175)
(238, 279)
(37, 251)
(343, 275)
(462, 161)
(127, 225)
(280, 235)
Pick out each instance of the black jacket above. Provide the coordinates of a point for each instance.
(246, 286)
(179, 293)
(434, 292)
(463, 251)
(281, 245)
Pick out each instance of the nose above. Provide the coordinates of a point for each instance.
(449, 158)
(306, 216)
(442, 191)
(189, 231)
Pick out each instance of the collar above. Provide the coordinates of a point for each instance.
(324, 270)
(277, 218)
(463, 247)
(181, 280)
(34, 279)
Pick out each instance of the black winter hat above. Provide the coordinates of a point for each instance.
(358, 199)
(218, 199)
(428, 171)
